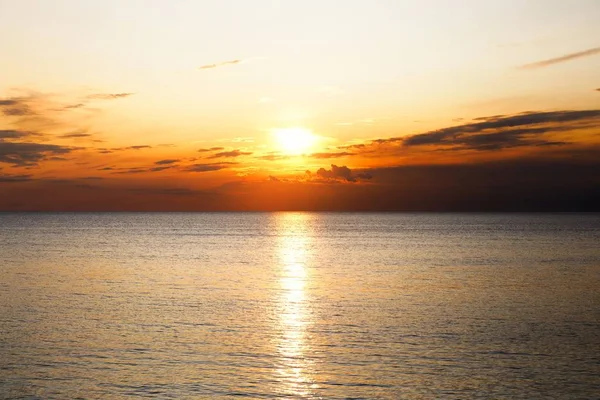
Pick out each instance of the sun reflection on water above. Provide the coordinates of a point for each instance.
(293, 250)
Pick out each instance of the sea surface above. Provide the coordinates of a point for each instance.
(299, 305)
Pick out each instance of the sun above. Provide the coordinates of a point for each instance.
(295, 140)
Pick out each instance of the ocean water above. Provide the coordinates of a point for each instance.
(299, 305)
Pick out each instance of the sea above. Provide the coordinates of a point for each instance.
(299, 306)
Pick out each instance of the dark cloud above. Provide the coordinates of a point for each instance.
(73, 106)
(353, 146)
(17, 111)
(492, 141)
(566, 57)
(125, 171)
(137, 170)
(109, 96)
(207, 167)
(74, 135)
(158, 169)
(139, 147)
(211, 149)
(14, 178)
(29, 154)
(342, 173)
(331, 155)
(115, 149)
(166, 162)
(13, 134)
(498, 132)
(229, 154)
(16, 106)
(221, 64)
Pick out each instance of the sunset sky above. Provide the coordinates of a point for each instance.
(299, 105)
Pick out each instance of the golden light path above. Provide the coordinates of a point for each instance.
(294, 243)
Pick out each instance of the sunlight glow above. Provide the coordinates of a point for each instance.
(295, 140)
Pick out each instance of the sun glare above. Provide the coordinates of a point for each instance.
(294, 140)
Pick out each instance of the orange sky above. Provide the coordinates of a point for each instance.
(385, 105)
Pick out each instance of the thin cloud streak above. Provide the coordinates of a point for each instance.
(208, 167)
(557, 60)
(109, 96)
(221, 64)
(232, 153)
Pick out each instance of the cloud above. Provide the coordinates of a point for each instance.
(331, 155)
(211, 149)
(17, 106)
(157, 169)
(109, 96)
(342, 173)
(137, 147)
(14, 178)
(557, 60)
(74, 135)
(166, 162)
(273, 157)
(73, 106)
(221, 64)
(207, 167)
(42, 112)
(229, 154)
(498, 132)
(29, 154)
(13, 134)
(103, 150)
(138, 170)
(353, 146)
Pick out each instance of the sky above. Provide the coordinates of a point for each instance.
(193, 105)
